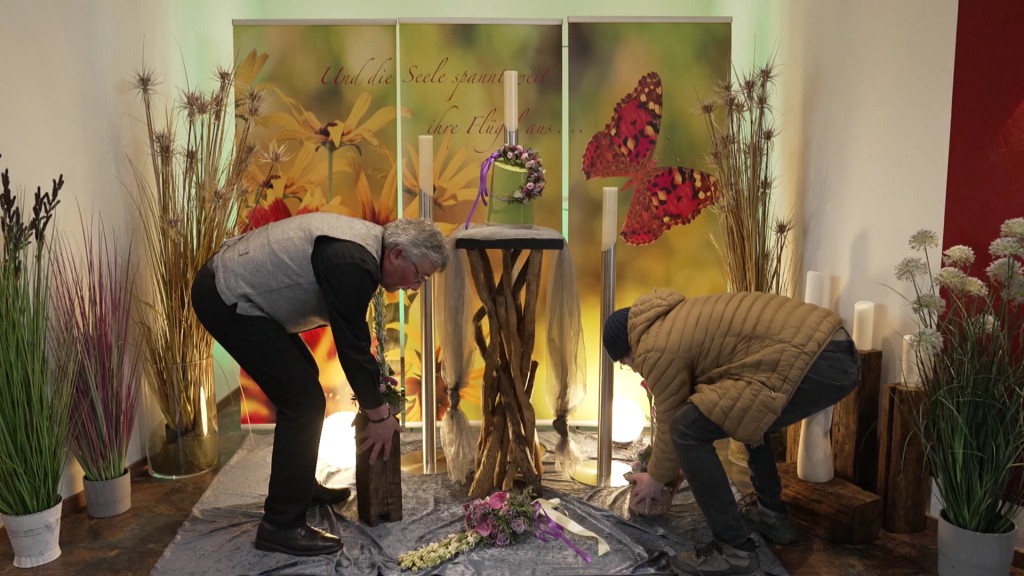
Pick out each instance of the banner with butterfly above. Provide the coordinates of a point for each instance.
(635, 124)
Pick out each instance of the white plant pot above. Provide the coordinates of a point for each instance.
(34, 537)
(966, 553)
(106, 498)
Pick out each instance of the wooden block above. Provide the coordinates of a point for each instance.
(792, 441)
(378, 485)
(855, 426)
(906, 479)
(837, 510)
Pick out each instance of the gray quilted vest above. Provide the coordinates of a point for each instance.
(268, 271)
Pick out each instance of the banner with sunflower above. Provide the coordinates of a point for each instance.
(327, 143)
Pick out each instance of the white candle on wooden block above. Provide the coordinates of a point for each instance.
(815, 289)
(911, 374)
(863, 324)
(609, 225)
(511, 80)
(427, 165)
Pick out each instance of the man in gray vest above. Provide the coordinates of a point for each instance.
(260, 291)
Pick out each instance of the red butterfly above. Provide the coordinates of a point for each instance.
(662, 197)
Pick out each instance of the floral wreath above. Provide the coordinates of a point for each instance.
(522, 157)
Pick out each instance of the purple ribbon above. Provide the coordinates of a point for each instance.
(548, 530)
(481, 191)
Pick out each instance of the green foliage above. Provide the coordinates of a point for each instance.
(35, 386)
(969, 356)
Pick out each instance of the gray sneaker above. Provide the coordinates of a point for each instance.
(716, 559)
(774, 526)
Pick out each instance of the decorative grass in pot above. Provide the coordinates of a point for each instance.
(35, 382)
(969, 355)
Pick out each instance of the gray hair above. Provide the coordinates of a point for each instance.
(419, 239)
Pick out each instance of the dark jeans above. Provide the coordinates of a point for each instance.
(282, 365)
(830, 378)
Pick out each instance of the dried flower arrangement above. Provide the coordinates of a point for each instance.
(187, 205)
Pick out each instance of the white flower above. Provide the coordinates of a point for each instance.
(1013, 228)
(960, 256)
(1003, 247)
(975, 287)
(910, 268)
(926, 342)
(928, 304)
(924, 239)
(1000, 271)
(952, 279)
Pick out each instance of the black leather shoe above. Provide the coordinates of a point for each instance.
(302, 541)
(325, 496)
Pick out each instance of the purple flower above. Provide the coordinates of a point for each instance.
(502, 539)
(518, 525)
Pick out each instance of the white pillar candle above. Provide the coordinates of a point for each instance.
(863, 324)
(911, 375)
(609, 225)
(427, 166)
(815, 289)
(511, 80)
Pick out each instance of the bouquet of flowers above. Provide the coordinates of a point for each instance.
(499, 520)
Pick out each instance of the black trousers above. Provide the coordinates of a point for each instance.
(282, 365)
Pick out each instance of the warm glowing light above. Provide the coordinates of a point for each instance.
(337, 442)
(586, 473)
(627, 421)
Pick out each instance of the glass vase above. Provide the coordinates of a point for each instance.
(181, 430)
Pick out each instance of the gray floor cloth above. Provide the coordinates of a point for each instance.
(217, 537)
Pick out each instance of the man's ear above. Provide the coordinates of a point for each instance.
(396, 252)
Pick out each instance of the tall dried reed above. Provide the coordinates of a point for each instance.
(187, 205)
(741, 122)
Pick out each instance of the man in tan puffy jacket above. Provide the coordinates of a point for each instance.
(736, 365)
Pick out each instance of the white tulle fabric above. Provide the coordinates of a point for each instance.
(453, 317)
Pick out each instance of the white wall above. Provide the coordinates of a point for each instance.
(866, 123)
(865, 106)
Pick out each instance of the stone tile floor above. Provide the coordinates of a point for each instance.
(131, 543)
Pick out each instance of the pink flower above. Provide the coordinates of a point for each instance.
(484, 527)
(497, 500)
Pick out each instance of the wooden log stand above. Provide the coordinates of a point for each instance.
(507, 449)
(855, 426)
(378, 484)
(903, 476)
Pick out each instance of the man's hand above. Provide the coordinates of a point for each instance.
(646, 488)
(377, 436)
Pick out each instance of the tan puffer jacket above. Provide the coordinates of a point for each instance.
(737, 356)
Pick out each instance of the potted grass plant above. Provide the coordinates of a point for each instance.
(35, 382)
(971, 420)
(92, 304)
(188, 198)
